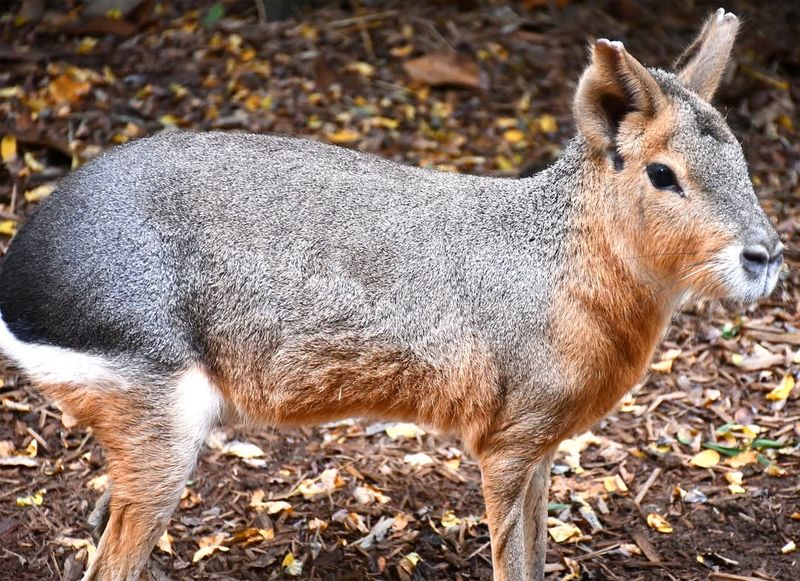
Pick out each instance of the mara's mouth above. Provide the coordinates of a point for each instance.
(740, 274)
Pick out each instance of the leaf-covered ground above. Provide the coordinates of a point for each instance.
(696, 476)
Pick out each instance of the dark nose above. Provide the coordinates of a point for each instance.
(755, 258)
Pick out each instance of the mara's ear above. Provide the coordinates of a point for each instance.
(701, 66)
(614, 85)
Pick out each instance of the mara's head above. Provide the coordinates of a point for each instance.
(678, 187)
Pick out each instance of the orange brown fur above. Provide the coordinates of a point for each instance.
(319, 380)
(621, 287)
(133, 427)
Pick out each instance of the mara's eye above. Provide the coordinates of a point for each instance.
(663, 178)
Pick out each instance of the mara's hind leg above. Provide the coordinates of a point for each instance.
(151, 435)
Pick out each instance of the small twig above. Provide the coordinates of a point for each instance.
(362, 18)
(643, 491)
(732, 577)
(262, 11)
(597, 553)
(32, 433)
(479, 549)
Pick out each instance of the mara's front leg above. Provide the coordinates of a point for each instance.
(515, 490)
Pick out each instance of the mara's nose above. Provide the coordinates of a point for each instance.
(756, 258)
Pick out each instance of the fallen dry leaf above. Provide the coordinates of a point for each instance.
(705, 459)
(562, 532)
(209, 545)
(65, 89)
(782, 391)
(325, 483)
(400, 430)
(418, 459)
(657, 522)
(292, 566)
(242, 450)
(164, 543)
(439, 69)
(8, 148)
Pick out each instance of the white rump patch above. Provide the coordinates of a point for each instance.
(47, 364)
(198, 406)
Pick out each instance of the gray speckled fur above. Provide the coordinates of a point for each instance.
(715, 160)
(160, 244)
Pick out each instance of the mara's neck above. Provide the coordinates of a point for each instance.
(608, 316)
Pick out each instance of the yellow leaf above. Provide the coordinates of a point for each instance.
(561, 532)
(453, 464)
(412, 559)
(65, 90)
(292, 566)
(548, 124)
(37, 194)
(659, 523)
(384, 122)
(401, 430)
(735, 482)
(30, 450)
(164, 543)
(8, 148)
(503, 163)
(783, 390)
(35, 499)
(450, 520)
(32, 163)
(513, 136)
(362, 68)
(736, 489)
(705, 459)
(775, 470)
(209, 545)
(506, 122)
(662, 366)
(8, 227)
(9, 92)
(615, 484)
(743, 459)
(86, 45)
(344, 136)
(168, 120)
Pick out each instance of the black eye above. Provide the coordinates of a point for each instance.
(662, 177)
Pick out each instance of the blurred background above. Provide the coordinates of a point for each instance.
(695, 476)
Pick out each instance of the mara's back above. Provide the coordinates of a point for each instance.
(175, 246)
